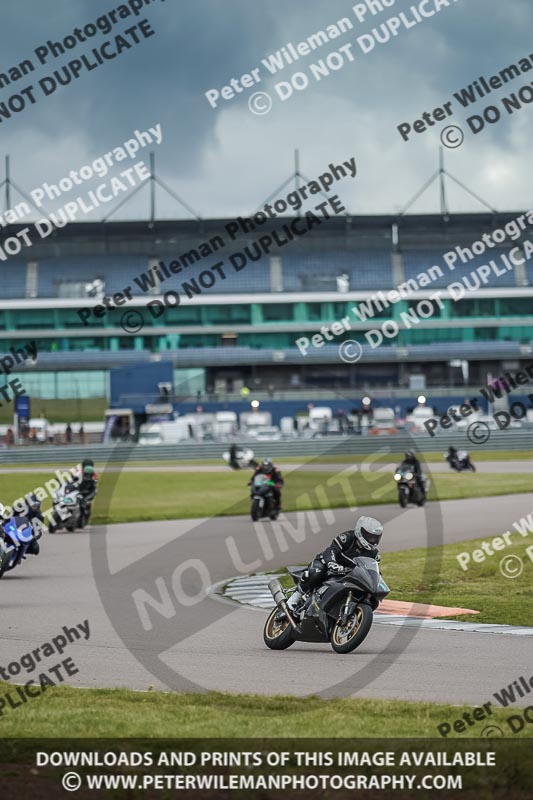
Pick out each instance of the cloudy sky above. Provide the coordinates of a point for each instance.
(226, 161)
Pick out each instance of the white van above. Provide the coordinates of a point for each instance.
(41, 428)
(164, 432)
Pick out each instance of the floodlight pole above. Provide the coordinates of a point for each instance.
(152, 187)
(442, 179)
(8, 184)
(297, 174)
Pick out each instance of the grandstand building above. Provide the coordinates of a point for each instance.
(243, 330)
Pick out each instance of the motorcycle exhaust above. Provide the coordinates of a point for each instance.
(280, 600)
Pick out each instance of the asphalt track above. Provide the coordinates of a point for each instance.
(211, 644)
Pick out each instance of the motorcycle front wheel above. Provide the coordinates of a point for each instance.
(4, 562)
(256, 510)
(345, 638)
(278, 632)
(403, 499)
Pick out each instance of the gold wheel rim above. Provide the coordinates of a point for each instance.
(276, 627)
(344, 634)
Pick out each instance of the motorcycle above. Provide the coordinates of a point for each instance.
(409, 490)
(67, 509)
(263, 500)
(340, 612)
(15, 543)
(460, 462)
(243, 459)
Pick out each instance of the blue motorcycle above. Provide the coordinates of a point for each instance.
(17, 538)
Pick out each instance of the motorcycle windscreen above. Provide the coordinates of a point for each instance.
(366, 574)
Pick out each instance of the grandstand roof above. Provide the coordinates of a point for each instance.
(370, 230)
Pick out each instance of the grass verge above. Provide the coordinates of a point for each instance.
(64, 712)
(143, 496)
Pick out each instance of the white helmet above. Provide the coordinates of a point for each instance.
(368, 532)
(5, 512)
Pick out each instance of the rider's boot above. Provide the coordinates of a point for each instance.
(296, 601)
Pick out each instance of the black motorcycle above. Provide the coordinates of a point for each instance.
(460, 461)
(263, 500)
(340, 611)
(409, 489)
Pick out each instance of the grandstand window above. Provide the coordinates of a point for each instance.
(278, 312)
(36, 318)
(84, 345)
(71, 319)
(199, 341)
(486, 334)
(432, 336)
(479, 307)
(219, 315)
(184, 315)
(340, 310)
(516, 307)
(314, 312)
(413, 304)
(80, 384)
(126, 342)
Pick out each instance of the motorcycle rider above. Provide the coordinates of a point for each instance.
(233, 462)
(34, 509)
(21, 522)
(87, 486)
(452, 453)
(339, 557)
(266, 467)
(412, 463)
(34, 515)
(459, 459)
(452, 457)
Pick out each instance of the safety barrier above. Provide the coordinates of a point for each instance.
(518, 439)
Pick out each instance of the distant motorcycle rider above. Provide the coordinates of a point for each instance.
(266, 467)
(87, 485)
(338, 558)
(452, 455)
(459, 459)
(34, 509)
(412, 463)
(34, 514)
(233, 456)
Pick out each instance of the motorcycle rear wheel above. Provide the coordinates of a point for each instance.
(345, 639)
(277, 634)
